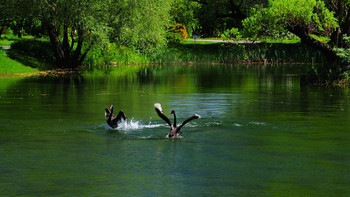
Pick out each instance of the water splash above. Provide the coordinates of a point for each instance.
(135, 125)
(131, 125)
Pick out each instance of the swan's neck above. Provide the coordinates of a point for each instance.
(174, 119)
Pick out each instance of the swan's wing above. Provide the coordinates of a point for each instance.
(195, 116)
(120, 116)
(158, 109)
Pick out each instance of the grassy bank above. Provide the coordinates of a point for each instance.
(30, 55)
(9, 66)
(232, 53)
(209, 52)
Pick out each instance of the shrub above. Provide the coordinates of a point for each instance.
(173, 37)
(177, 29)
(231, 33)
(34, 48)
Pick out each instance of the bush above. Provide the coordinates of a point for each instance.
(173, 37)
(35, 48)
(177, 33)
(33, 53)
(114, 54)
(231, 34)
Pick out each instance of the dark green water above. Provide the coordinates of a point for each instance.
(261, 134)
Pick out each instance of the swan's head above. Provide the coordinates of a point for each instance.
(158, 106)
(110, 107)
(172, 112)
(197, 116)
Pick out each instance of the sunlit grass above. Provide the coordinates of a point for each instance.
(5, 42)
(201, 42)
(9, 66)
(8, 39)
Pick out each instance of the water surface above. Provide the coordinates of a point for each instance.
(261, 133)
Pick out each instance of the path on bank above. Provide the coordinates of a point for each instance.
(225, 41)
(5, 47)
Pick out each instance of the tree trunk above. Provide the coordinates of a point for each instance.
(51, 31)
(328, 72)
(308, 40)
(65, 47)
(1, 30)
(64, 54)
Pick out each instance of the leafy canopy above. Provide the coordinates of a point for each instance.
(311, 15)
(141, 24)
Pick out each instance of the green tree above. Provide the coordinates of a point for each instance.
(76, 26)
(341, 9)
(141, 24)
(303, 18)
(216, 16)
(184, 12)
(15, 14)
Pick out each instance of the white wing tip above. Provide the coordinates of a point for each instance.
(158, 106)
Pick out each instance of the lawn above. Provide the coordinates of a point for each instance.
(9, 66)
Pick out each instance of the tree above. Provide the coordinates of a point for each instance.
(216, 16)
(303, 18)
(140, 25)
(74, 27)
(184, 12)
(341, 8)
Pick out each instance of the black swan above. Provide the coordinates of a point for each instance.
(174, 131)
(113, 121)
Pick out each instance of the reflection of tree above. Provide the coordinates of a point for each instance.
(48, 90)
(254, 91)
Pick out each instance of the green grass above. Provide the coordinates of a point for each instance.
(5, 42)
(8, 39)
(200, 42)
(9, 66)
(283, 40)
(292, 40)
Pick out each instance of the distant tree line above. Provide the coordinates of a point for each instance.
(76, 26)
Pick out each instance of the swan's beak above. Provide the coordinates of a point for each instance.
(110, 107)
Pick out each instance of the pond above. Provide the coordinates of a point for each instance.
(261, 133)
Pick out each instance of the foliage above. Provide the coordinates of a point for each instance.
(114, 54)
(140, 25)
(77, 26)
(283, 14)
(302, 18)
(197, 52)
(176, 33)
(32, 52)
(232, 34)
(35, 48)
(344, 52)
(185, 12)
(173, 37)
(216, 16)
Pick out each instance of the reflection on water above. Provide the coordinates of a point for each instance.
(261, 133)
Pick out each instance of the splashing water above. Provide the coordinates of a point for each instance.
(126, 125)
